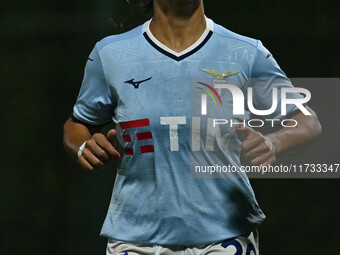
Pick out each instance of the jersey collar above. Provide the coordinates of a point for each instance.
(185, 53)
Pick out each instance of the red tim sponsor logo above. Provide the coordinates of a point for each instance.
(140, 136)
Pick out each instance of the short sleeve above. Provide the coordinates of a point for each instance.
(266, 74)
(94, 105)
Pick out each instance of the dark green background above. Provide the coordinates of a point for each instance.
(51, 206)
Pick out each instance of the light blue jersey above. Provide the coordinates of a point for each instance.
(147, 90)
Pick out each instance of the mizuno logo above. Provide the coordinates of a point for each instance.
(269, 55)
(90, 59)
(136, 84)
(218, 75)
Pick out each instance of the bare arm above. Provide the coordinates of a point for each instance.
(98, 150)
(264, 149)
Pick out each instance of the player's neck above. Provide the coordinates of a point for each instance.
(178, 27)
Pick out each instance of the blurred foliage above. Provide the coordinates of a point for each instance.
(51, 206)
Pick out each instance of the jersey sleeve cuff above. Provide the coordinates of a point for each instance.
(85, 123)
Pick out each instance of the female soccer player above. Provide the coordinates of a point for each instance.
(150, 82)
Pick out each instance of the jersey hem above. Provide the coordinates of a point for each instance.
(208, 241)
(202, 241)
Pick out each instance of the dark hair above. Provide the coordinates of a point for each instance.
(139, 12)
(147, 6)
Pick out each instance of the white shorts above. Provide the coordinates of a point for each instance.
(238, 246)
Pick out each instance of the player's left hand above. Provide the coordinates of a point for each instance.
(258, 148)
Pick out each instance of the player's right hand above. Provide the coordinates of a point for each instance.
(99, 150)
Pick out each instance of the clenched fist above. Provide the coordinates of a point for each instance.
(258, 148)
(99, 150)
